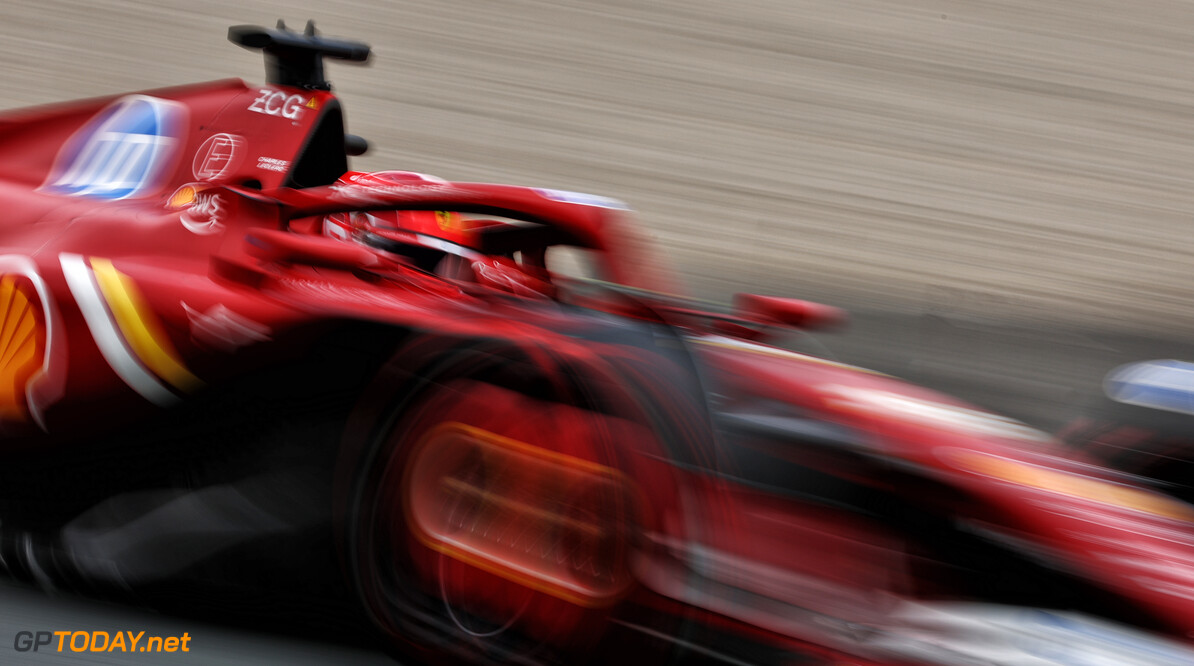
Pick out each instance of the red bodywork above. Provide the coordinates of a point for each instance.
(159, 246)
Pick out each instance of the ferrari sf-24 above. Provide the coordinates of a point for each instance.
(483, 415)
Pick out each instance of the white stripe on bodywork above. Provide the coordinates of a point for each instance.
(107, 338)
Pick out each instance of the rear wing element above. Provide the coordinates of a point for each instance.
(296, 59)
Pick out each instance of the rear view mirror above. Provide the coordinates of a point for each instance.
(789, 312)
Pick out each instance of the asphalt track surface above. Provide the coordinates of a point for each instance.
(1002, 190)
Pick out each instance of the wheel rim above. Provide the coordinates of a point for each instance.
(459, 467)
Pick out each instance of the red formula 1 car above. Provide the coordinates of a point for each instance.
(228, 359)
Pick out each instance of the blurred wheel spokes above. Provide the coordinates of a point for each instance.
(548, 521)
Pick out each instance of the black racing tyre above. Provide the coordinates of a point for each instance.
(495, 510)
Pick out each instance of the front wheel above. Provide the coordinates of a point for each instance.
(498, 514)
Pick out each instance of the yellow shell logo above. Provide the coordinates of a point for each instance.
(183, 197)
(22, 344)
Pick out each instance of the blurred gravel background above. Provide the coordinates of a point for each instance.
(1028, 161)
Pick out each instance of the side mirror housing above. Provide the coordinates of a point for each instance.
(788, 312)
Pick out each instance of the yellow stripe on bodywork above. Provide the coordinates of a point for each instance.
(140, 327)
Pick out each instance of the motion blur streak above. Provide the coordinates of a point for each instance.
(1014, 172)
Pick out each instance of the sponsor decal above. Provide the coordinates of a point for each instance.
(202, 208)
(390, 178)
(273, 164)
(33, 366)
(98, 641)
(24, 331)
(224, 330)
(1069, 484)
(378, 193)
(220, 154)
(448, 221)
(583, 199)
(281, 104)
(124, 151)
(337, 296)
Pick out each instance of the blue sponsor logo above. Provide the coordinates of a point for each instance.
(124, 151)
